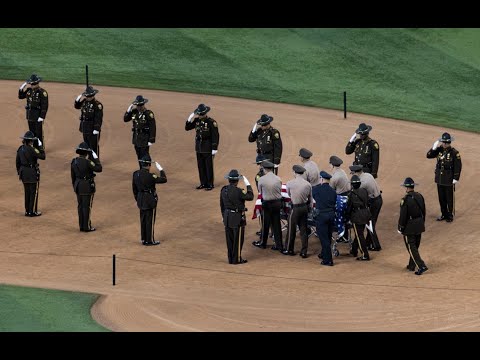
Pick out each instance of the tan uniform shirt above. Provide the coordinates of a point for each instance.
(339, 181)
(270, 186)
(312, 173)
(369, 183)
(299, 190)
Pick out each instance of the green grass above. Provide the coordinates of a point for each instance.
(424, 75)
(40, 310)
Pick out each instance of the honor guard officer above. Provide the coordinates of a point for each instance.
(143, 185)
(259, 159)
(269, 142)
(144, 128)
(91, 117)
(411, 224)
(206, 144)
(367, 151)
(311, 168)
(37, 106)
(300, 192)
(447, 174)
(232, 207)
(29, 172)
(341, 184)
(83, 173)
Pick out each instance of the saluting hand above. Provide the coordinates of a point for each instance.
(159, 167)
(94, 154)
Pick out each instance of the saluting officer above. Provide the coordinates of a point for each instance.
(269, 142)
(311, 167)
(37, 106)
(206, 144)
(144, 127)
(143, 185)
(29, 172)
(83, 171)
(367, 151)
(91, 118)
(411, 224)
(232, 207)
(447, 174)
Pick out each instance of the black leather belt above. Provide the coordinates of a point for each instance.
(299, 205)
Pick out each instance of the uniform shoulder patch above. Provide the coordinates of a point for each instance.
(37, 151)
(150, 115)
(458, 155)
(45, 93)
(402, 202)
(154, 176)
(92, 163)
(214, 123)
(375, 145)
(100, 106)
(276, 135)
(244, 191)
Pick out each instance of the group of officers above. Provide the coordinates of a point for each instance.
(309, 190)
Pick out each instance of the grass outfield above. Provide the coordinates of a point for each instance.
(40, 310)
(425, 75)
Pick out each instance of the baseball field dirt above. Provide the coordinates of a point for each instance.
(186, 283)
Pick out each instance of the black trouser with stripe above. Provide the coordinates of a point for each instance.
(412, 242)
(37, 128)
(147, 225)
(235, 238)
(31, 196)
(205, 169)
(445, 197)
(93, 141)
(324, 225)
(141, 151)
(359, 242)
(271, 216)
(85, 203)
(298, 216)
(375, 207)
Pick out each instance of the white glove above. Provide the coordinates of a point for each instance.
(454, 181)
(94, 154)
(40, 119)
(159, 167)
(254, 128)
(190, 118)
(130, 108)
(352, 139)
(214, 152)
(246, 182)
(39, 142)
(78, 98)
(276, 166)
(23, 85)
(435, 145)
(399, 231)
(96, 132)
(149, 143)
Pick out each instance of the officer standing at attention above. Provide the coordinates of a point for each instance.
(311, 168)
(269, 142)
(232, 207)
(37, 106)
(300, 192)
(341, 184)
(91, 118)
(270, 186)
(29, 172)
(367, 151)
(206, 144)
(447, 174)
(83, 173)
(144, 128)
(325, 200)
(143, 185)
(260, 173)
(411, 224)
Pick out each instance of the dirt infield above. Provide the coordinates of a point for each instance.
(185, 283)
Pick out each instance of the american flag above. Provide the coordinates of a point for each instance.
(258, 204)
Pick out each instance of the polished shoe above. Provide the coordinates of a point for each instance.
(200, 187)
(326, 263)
(242, 261)
(409, 268)
(441, 218)
(363, 258)
(288, 252)
(303, 255)
(259, 244)
(35, 213)
(375, 249)
(208, 188)
(27, 213)
(450, 219)
(88, 230)
(421, 271)
(151, 243)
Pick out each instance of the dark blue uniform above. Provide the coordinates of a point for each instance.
(325, 200)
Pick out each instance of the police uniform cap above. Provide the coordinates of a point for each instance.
(233, 175)
(305, 153)
(408, 182)
(29, 136)
(335, 160)
(140, 100)
(264, 120)
(268, 164)
(446, 138)
(34, 79)
(355, 168)
(298, 169)
(90, 91)
(146, 159)
(259, 159)
(325, 175)
(202, 109)
(83, 148)
(363, 129)
(355, 179)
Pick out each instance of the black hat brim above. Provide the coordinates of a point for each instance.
(28, 138)
(360, 132)
(90, 94)
(140, 102)
(198, 112)
(263, 122)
